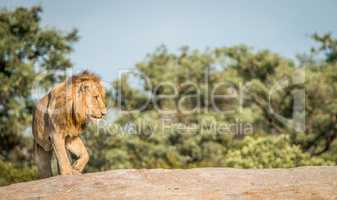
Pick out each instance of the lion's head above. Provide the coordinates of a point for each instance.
(77, 101)
(88, 97)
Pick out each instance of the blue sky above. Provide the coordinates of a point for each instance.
(116, 34)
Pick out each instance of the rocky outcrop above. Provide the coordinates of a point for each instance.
(200, 183)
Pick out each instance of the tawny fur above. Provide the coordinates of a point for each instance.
(60, 117)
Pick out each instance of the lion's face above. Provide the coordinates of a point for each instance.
(93, 96)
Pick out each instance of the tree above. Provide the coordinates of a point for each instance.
(328, 46)
(190, 78)
(30, 55)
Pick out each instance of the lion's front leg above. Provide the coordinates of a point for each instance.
(76, 146)
(58, 142)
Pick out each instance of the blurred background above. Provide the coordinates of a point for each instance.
(253, 85)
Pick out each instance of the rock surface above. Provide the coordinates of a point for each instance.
(200, 183)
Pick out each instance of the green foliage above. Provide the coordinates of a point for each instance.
(246, 83)
(148, 146)
(10, 173)
(31, 56)
(328, 45)
(270, 152)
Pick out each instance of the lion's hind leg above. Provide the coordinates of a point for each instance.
(43, 161)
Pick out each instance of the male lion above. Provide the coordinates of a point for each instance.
(59, 118)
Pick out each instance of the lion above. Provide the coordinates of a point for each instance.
(60, 117)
